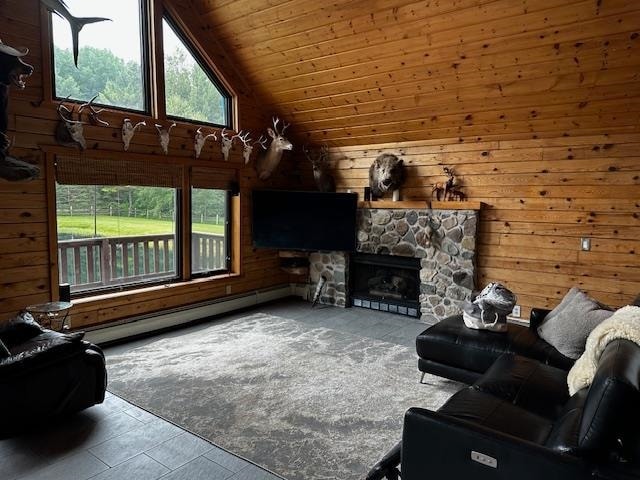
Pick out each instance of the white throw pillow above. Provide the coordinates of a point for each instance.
(568, 325)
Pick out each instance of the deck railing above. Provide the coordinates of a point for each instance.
(95, 262)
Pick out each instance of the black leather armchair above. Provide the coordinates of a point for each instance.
(46, 374)
(518, 421)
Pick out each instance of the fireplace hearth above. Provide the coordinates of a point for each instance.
(442, 243)
(386, 283)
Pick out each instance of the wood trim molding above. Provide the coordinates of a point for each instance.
(455, 205)
(389, 204)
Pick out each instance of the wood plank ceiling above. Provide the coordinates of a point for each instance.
(354, 72)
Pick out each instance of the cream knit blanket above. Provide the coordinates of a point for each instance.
(624, 323)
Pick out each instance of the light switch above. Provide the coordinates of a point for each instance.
(585, 242)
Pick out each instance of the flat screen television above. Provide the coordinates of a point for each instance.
(290, 220)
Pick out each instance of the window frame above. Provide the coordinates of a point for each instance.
(146, 56)
(152, 13)
(227, 236)
(211, 75)
(182, 239)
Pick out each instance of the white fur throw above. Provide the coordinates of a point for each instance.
(624, 323)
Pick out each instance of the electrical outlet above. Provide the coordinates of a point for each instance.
(228, 289)
(585, 243)
(516, 311)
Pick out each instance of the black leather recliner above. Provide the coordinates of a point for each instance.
(46, 374)
(518, 421)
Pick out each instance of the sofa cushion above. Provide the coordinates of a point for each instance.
(570, 323)
(495, 413)
(528, 384)
(449, 342)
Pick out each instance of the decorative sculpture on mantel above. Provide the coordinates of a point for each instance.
(129, 130)
(13, 71)
(164, 135)
(448, 191)
(201, 139)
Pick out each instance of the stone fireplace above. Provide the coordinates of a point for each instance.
(444, 242)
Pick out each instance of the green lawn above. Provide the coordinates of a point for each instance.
(120, 226)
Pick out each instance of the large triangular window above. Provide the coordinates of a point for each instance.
(192, 91)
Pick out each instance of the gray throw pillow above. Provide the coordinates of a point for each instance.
(568, 325)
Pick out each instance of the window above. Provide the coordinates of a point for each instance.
(191, 92)
(120, 222)
(209, 247)
(111, 235)
(113, 64)
(111, 59)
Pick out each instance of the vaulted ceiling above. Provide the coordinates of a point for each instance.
(371, 71)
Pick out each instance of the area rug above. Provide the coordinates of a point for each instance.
(306, 403)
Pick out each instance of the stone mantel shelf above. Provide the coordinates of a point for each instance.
(421, 205)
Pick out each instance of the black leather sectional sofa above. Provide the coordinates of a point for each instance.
(516, 419)
(45, 375)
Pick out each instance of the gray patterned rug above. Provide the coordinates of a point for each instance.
(306, 403)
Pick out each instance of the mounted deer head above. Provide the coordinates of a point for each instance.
(201, 139)
(324, 180)
(69, 132)
(269, 160)
(226, 143)
(129, 130)
(93, 113)
(164, 136)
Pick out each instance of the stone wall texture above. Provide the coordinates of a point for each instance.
(445, 242)
(334, 267)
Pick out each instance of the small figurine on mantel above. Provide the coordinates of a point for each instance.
(448, 191)
(386, 174)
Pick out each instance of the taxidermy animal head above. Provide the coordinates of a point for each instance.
(226, 143)
(324, 180)
(201, 139)
(386, 174)
(164, 134)
(70, 131)
(59, 7)
(248, 146)
(129, 130)
(13, 71)
(268, 161)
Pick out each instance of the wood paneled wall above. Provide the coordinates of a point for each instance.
(535, 103)
(24, 244)
(541, 197)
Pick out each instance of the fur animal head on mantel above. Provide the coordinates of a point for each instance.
(268, 161)
(386, 174)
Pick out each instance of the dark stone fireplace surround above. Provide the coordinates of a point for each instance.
(443, 240)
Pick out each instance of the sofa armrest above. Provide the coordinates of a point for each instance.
(536, 318)
(435, 445)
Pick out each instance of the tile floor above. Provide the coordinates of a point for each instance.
(119, 441)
